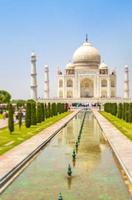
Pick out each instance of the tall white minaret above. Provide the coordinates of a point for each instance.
(33, 86)
(126, 82)
(46, 82)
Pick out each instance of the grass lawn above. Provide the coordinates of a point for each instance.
(1, 116)
(124, 127)
(8, 141)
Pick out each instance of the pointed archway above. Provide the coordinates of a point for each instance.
(86, 88)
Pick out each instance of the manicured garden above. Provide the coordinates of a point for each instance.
(120, 115)
(8, 141)
(38, 117)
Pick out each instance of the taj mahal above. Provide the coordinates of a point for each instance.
(85, 77)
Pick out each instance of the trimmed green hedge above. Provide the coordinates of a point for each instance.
(121, 110)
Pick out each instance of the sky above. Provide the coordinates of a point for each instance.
(53, 29)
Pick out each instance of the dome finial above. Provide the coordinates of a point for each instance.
(86, 37)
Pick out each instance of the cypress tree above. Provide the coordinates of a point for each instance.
(42, 112)
(115, 109)
(46, 111)
(120, 110)
(52, 108)
(49, 110)
(59, 108)
(20, 119)
(28, 115)
(10, 118)
(63, 108)
(55, 109)
(127, 112)
(33, 114)
(130, 112)
(123, 111)
(39, 113)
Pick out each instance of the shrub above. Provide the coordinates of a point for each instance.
(130, 112)
(20, 119)
(42, 112)
(10, 118)
(120, 110)
(33, 113)
(126, 112)
(28, 115)
(54, 109)
(123, 111)
(39, 113)
(49, 110)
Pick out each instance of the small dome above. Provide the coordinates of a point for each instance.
(103, 66)
(46, 66)
(33, 54)
(86, 53)
(126, 66)
(69, 65)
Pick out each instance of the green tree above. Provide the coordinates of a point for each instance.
(19, 102)
(130, 112)
(59, 108)
(114, 109)
(39, 113)
(58, 104)
(42, 112)
(33, 113)
(120, 110)
(20, 119)
(54, 109)
(5, 97)
(124, 111)
(49, 110)
(28, 115)
(31, 101)
(127, 112)
(10, 118)
(46, 110)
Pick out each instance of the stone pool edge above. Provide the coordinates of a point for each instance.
(14, 160)
(120, 144)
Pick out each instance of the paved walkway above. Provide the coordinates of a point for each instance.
(15, 157)
(3, 123)
(120, 144)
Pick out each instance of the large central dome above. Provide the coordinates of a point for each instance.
(86, 54)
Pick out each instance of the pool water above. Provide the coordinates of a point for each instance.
(95, 173)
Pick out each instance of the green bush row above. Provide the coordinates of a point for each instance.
(121, 110)
(35, 113)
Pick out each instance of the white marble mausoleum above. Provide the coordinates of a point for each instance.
(86, 76)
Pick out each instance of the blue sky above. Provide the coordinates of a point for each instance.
(54, 29)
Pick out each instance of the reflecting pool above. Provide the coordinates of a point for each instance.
(95, 173)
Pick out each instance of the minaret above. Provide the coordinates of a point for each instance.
(46, 82)
(33, 86)
(126, 82)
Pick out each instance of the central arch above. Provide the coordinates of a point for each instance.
(86, 88)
